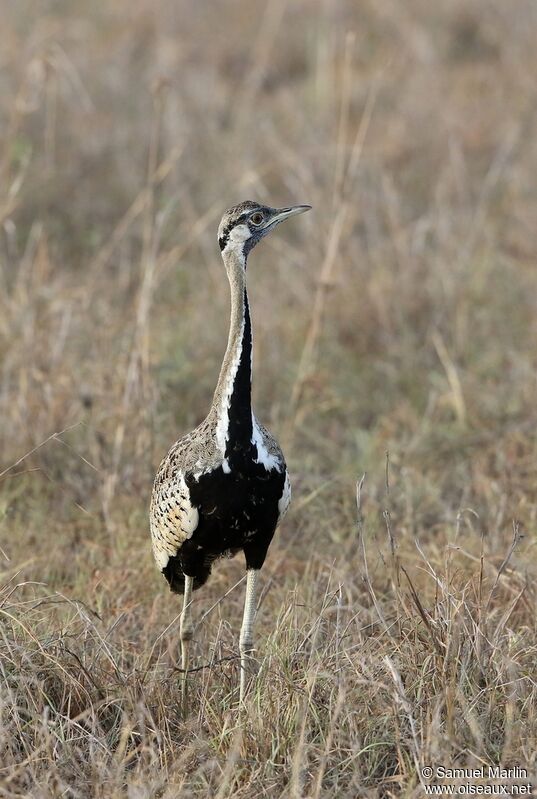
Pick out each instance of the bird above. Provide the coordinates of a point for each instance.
(224, 487)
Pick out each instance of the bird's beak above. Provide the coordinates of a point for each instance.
(284, 213)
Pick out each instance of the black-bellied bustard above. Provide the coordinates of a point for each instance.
(224, 486)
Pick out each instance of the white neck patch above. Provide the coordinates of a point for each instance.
(235, 243)
(222, 425)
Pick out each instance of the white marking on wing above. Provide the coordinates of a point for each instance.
(176, 522)
(285, 498)
(160, 555)
(266, 458)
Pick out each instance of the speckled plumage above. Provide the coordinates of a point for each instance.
(173, 516)
(224, 486)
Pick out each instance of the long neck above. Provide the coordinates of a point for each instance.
(232, 397)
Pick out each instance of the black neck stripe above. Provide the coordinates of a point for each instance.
(239, 441)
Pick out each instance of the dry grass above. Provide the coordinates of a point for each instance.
(399, 316)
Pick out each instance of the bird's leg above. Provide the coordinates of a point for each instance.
(186, 633)
(246, 643)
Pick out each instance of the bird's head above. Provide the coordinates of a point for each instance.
(246, 224)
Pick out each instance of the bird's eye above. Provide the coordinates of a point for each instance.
(257, 218)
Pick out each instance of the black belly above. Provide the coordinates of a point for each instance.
(237, 510)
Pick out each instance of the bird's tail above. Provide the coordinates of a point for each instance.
(173, 572)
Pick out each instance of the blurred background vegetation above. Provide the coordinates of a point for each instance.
(395, 329)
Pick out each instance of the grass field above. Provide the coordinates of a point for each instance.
(395, 337)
